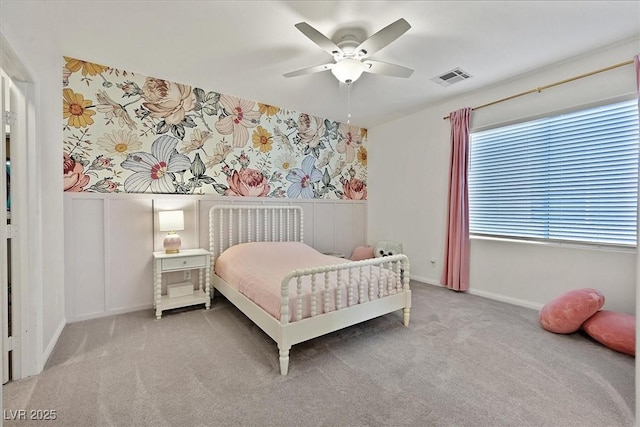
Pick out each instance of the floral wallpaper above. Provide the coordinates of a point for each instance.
(125, 132)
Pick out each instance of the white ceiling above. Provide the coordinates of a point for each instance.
(242, 48)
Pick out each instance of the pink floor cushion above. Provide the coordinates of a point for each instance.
(362, 252)
(566, 313)
(614, 330)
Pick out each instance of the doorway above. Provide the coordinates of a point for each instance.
(9, 318)
(20, 224)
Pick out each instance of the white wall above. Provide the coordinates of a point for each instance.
(110, 237)
(408, 179)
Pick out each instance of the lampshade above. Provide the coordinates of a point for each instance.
(171, 220)
(348, 70)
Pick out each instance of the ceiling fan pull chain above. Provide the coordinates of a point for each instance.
(349, 104)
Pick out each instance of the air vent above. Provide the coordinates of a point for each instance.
(450, 77)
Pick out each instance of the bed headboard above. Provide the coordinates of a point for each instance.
(233, 224)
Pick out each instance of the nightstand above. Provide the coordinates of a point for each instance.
(186, 259)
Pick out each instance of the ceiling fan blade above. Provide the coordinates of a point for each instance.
(383, 37)
(384, 68)
(310, 70)
(318, 38)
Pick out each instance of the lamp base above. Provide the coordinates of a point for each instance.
(172, 243)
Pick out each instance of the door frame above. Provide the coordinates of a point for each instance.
(26, 218)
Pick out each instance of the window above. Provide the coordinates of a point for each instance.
(573, 177)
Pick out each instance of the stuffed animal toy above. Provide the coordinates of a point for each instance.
(387, 248)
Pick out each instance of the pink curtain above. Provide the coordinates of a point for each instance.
(636, 60)
(455, 272)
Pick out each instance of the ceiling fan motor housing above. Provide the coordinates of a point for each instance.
(348, 44)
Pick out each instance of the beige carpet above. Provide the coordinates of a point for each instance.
(463, 361)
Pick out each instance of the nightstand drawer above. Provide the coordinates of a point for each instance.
(182, 263)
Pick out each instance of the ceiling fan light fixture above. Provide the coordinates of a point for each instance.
(348, 70)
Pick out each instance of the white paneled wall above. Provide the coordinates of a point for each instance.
(108, 245)
(127, 265)
(109, 239)
(85, 246)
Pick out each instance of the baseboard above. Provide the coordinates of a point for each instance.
(426, 280)
(504, 298)
(110, 313)
(52, 344)
(485, 294)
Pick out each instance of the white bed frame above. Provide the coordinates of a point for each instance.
(234, 224)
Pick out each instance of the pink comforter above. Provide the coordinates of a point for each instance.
(256, 270)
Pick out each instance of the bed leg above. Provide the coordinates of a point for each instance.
(406, 312)
(284, 360)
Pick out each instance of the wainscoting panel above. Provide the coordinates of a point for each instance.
(324, 227)
(109, 239)
(85, 257)
(359, 219)
(129, 247)
(344, 228)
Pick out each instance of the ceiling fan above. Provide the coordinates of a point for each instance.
(352, 56)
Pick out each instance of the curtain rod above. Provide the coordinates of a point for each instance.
(541, 88)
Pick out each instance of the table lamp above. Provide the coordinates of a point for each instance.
(171, 221)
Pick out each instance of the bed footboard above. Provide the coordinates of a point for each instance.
(340, 286)
(368, 295)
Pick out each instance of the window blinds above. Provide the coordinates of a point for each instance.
(572, 177)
